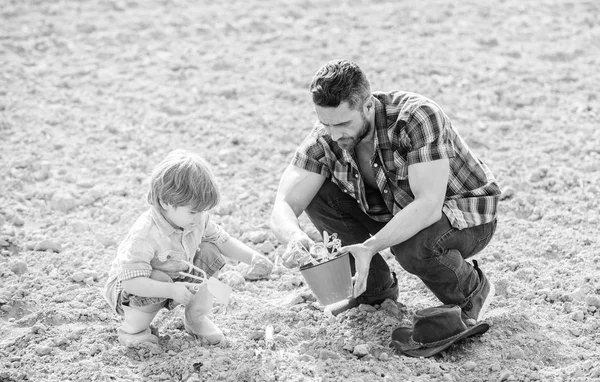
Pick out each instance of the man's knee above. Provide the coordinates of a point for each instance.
(414, 260)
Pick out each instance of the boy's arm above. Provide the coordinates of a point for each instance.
(147, 287)
(260, 265)
(236, 250)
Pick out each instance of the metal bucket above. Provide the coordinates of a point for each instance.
(331, 280)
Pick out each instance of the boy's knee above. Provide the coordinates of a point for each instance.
(208, 249)
(160, 276)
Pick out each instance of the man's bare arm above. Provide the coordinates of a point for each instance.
(297, 188)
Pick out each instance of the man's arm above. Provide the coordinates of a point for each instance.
(297, 188)
(428, 182)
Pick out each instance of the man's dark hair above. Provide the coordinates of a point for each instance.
(338, 81)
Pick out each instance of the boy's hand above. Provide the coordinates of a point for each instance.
(260, 267)
(180, 293)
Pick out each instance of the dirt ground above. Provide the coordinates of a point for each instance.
(94, 93)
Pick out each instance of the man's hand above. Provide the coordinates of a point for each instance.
(297, 250)
(362, 262)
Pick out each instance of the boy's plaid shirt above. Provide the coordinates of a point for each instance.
(409, 129)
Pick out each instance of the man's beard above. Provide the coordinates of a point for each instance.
(349, 143)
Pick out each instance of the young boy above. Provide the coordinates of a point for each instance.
(144, 276)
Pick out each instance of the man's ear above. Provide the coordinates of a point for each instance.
(369, 106)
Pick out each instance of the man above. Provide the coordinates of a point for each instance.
(388, 170)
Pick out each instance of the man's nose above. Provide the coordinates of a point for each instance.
(335, 135)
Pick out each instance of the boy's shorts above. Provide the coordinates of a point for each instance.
(207, 257)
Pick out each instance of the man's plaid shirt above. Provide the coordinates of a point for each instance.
(409, 129)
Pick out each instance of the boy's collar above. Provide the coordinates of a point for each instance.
(163, 225)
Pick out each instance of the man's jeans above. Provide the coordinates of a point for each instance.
(436, 254)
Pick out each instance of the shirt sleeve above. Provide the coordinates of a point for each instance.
(214, 233)
(135, 256)
(310, 155)
(429, 134)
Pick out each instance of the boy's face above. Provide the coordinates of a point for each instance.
(181, 217)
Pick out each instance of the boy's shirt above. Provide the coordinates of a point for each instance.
(153, 244)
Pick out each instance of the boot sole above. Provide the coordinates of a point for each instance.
(486, 302)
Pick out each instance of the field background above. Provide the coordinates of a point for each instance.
(94, 93)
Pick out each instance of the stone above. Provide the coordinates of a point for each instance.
(43, 350)
(62, 202)
(366, 308)
(391, 307)
(18, 268)
(266, 247)
(577, 295)
(232, 278)
(106, 241)
(593, 300)
(257, 237)
(361, 350)
(328, 354)
(48, 245)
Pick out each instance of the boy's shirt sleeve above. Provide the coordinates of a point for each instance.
(214, 233)
(135, 256)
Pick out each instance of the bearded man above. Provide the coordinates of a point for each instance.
(388, 170)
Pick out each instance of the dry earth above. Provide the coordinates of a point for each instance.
(94, 93)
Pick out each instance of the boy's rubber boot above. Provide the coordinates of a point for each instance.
(135, 331)
(196, 321)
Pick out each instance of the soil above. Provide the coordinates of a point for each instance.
(94, 93)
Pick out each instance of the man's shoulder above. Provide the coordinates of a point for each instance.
(317, 140)
(401, 99)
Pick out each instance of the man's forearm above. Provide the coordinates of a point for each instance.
(284, 222)
(409, 221)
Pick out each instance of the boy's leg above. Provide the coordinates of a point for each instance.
(437, 256)
(334, 211)
(196, 314)
(138, 314)
(196, 321)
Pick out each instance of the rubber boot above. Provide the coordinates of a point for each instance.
(196, 319)
(135, 331)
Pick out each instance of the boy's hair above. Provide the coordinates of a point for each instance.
(184, 178)
(338, 81)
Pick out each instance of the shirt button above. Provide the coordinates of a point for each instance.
(356, 175)
(375, 165)
(385, 191)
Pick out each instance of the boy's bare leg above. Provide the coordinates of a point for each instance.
(196, 319)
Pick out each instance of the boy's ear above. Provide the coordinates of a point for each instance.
(163, 205)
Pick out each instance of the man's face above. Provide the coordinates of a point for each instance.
(346, 126)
